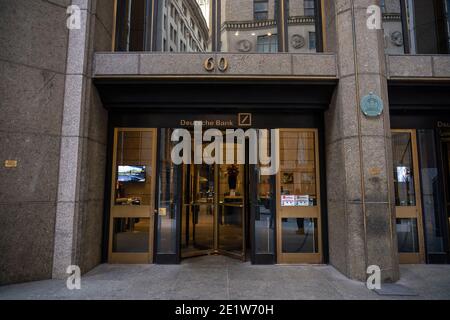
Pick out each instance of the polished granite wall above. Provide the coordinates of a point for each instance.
(54, 125)
(33, 42)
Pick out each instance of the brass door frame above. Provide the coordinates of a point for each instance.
(147, 211)
(405, 212)
(300, 212)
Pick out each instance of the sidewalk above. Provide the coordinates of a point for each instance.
(217, 277)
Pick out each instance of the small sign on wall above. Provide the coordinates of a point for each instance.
(10, 163)
(293, 200)
(372, 105)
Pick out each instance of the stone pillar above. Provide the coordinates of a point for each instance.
(79, 209)
(68, 205)
(361, 205)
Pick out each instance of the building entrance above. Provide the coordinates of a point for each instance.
(173, 199)
(214, 207)
(213, 217)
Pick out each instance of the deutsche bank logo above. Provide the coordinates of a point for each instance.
(244, 119)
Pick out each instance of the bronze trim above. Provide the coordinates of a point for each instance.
(114, 30)
(229, 77)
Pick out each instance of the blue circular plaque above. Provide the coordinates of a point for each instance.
(372, 105)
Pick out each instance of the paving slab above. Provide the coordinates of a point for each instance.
(223, 278)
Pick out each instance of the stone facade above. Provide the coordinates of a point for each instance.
(34, 43)
(53, 122)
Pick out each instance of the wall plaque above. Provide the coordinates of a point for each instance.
(372, 105)
(10, 163)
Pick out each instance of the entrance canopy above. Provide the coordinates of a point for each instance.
(213, 94)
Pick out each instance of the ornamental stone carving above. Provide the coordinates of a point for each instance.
(397, 38)
(297, 41)
(244, 45)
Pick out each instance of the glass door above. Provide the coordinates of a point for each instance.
(298, 198)
(132, 196)
(198, 211)
(408, 208)
(213, 211)
(231, 210)
(262, 206)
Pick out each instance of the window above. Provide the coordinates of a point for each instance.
(416, 26)
(383, 6)
(301, 26)
(261, 9)
(130, 34)
(236, 26)
(312, 40)
(309, 8)
(267, 43)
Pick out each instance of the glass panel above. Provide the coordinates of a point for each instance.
(198, 211)
(407, 235)
(297, 169)
(131, 235)
(403, 169)
(301, 25)
(184, 26)
(299, 235)
(134, 168)
(392, 25)
(432, 204)
(130, 25)
(168, 196)
(264, 212)
(263, 207)
(447, 20)
(248, 26)
(445, 138)
(231, 204)
(427, 26)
